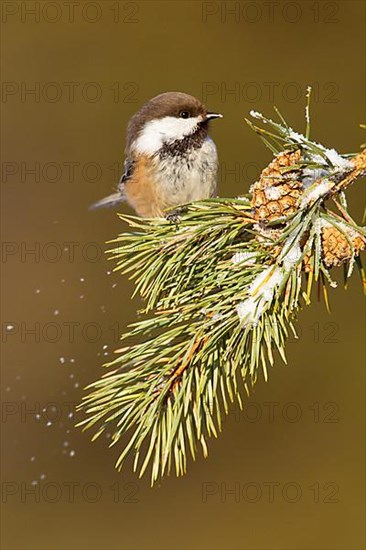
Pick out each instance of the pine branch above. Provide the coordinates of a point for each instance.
(221, 288)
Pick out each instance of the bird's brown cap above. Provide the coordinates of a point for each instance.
(167, 104)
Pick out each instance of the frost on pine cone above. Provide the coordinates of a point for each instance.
(336, 245)
(276, 193)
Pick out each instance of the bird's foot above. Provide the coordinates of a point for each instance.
(173, 216)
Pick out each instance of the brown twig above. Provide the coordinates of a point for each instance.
(179, 371)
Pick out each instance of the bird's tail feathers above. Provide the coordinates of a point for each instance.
(108, 202)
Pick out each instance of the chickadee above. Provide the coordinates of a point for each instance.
(170, 158)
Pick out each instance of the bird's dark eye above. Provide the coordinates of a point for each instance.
(184, 114)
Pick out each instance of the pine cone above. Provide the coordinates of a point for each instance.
(335, 247)
(276, 194)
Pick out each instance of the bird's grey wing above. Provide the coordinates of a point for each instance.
(119, 196)
(128, 171)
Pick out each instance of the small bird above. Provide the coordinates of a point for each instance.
(170, 158)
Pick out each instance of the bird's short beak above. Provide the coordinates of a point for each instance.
(210, 116)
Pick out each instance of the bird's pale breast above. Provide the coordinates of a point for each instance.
(158, 184)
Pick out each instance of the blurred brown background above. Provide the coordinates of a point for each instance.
(295, 457)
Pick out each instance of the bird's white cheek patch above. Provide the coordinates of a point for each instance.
(164, 130)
